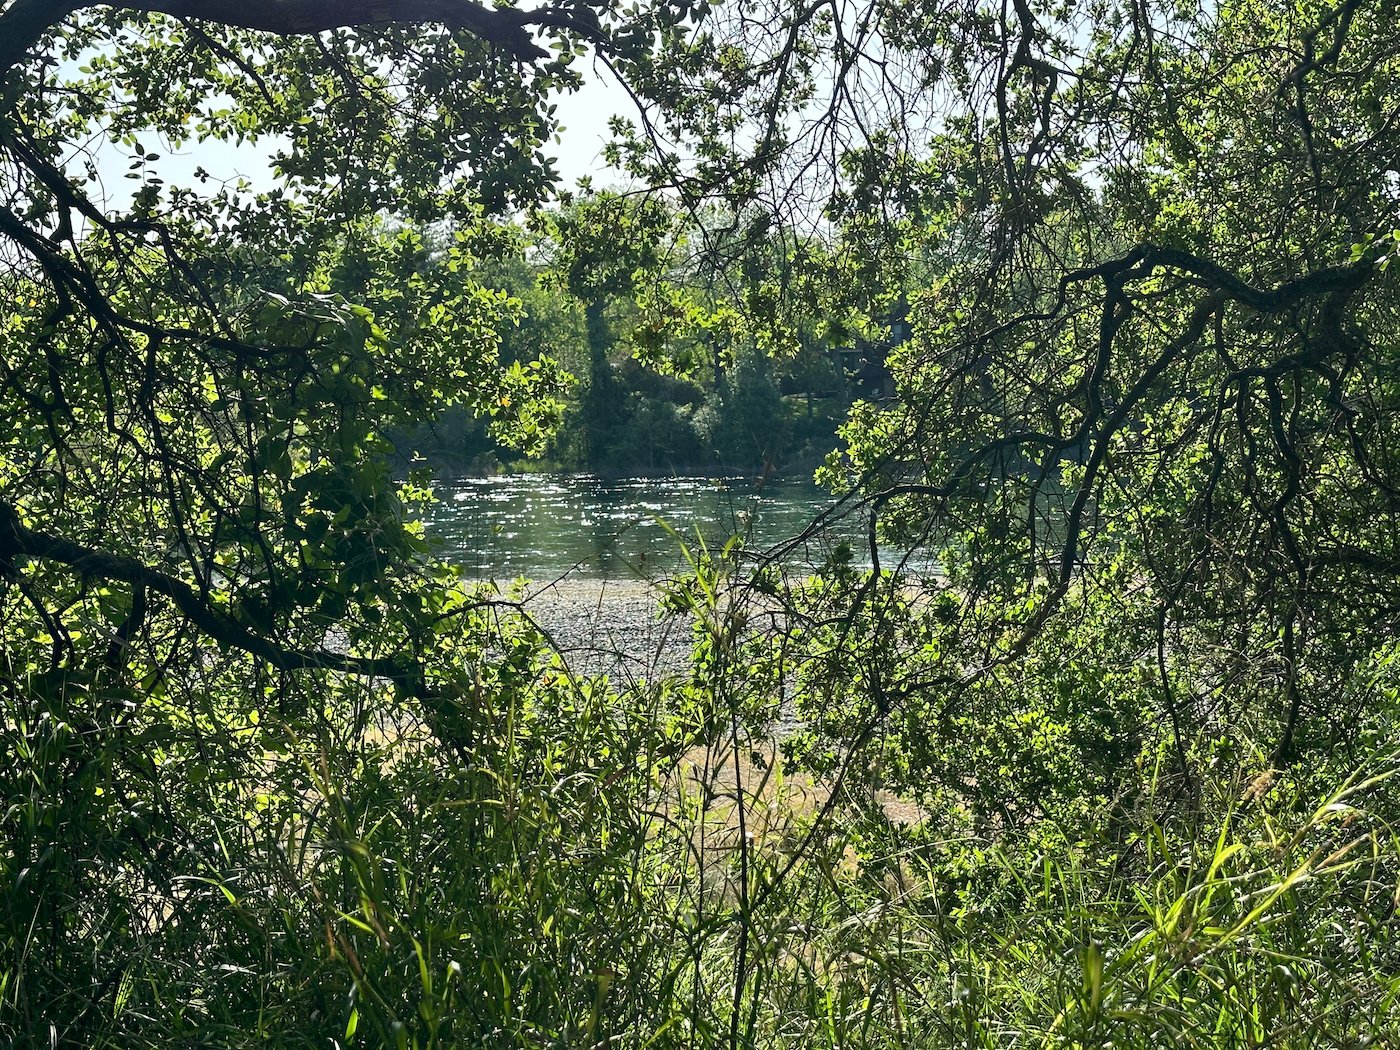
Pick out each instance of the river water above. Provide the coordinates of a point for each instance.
(550, 526)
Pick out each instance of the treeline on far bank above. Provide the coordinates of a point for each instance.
(651, 353)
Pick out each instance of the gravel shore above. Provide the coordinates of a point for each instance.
(610, 627)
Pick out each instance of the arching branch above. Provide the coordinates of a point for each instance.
(24, 23)
(18, 542)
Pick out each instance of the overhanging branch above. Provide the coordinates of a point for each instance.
(18, 541)
(24, 23)
(502, 26)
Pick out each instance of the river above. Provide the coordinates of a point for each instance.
(594, 550)
(550, 526)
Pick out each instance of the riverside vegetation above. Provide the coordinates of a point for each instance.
(1093, 744)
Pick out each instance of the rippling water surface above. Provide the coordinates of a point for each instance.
(544, 526)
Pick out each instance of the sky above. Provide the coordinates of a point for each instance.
(585, 115)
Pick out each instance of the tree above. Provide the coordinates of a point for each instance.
(198, 390)
(1153, 337)
(604, 244)
(1150, 378)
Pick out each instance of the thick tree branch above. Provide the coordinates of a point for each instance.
(19, 542)
(24, 23)
(502, 26)
(1146, 257)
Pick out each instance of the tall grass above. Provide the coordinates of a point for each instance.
(547, 861)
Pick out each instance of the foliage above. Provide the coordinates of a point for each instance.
(1091, 743)
(1148, 387)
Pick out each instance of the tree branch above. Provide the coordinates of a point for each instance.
(17, 542)
(24, 23)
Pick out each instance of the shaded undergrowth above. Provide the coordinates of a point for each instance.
(554, 861)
